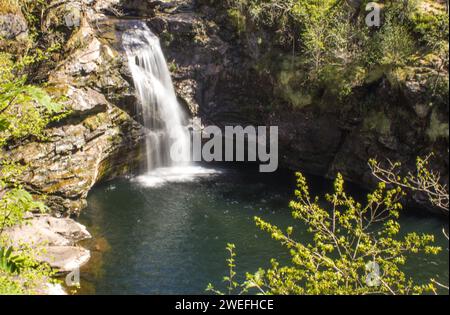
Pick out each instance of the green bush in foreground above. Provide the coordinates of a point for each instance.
(21, 273)
(355, 250)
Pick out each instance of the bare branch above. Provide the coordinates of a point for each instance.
(423, 180)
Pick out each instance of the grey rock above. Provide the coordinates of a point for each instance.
(66, 258)
(48, 231)
(12, 26)
(58, 238)
(87, 100)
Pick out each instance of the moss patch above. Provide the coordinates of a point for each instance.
(9, 6)
(238, 20)
(377, 121)
(437, 129)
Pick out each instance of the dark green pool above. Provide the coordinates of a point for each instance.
(171, 239)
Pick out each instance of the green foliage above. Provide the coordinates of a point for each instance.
(355, 248)
(232, 284)
(338, 51)
(25, 110)
(238, 19)
(20, 273)
(14, 205)
(23, 273)
(10, 262)
(432, 26)
(395, 44)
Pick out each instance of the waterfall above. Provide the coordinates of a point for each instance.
(168, 139)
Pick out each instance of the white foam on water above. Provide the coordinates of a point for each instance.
(177, 174)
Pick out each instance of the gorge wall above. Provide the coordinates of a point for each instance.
(232, 74)
(226, 77)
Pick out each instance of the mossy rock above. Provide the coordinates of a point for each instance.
(379, 122)
(437, 129)
(94, 122)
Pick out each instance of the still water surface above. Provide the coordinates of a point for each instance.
(170, 237)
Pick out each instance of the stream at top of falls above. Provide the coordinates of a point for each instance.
(171, 238)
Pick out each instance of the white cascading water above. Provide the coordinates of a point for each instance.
(168, 142)
(162, 114)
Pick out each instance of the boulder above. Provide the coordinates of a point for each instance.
(58, 238)
(86, 101)
(13, 26)
(65, 258)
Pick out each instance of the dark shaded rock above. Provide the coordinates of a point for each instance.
(231, 78)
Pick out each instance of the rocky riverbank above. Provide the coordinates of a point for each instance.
(58, 239)
(97, 140)
(56, 243)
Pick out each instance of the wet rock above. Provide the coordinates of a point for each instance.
(139, 7)
(186, 90)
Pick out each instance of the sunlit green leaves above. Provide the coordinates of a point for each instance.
(355, 248)
(25, 110)
(10, 262)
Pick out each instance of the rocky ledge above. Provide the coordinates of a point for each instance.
(99, 138)
(56, 238)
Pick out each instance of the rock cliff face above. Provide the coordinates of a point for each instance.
(97, 140)
(226, 78)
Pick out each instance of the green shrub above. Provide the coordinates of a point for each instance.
(338, 50)
(237, 19)
(25, 110)
(356, 249)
